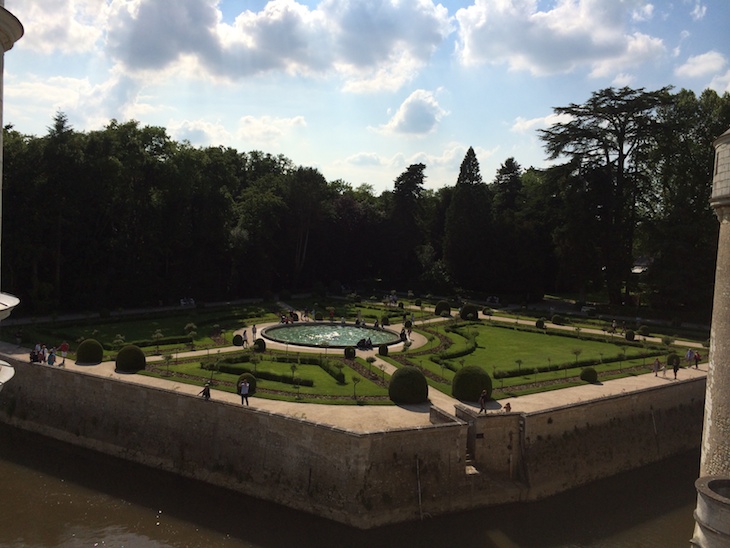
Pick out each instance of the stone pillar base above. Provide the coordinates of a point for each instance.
(712, 515)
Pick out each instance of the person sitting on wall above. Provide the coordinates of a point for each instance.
(403, 336)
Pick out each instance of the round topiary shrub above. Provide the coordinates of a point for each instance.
(400, 305)
(259, 345)
(318, 316)
(90, 352)
(469, 382)
(557, 319)
(417, 302)
(350, 353)
(442, 307)
(644, 331)
(589, 374)
(383, 350)
(469, 312)
(487, 311)
(630, 335)
(408, 385)
(131, 359)
(251, 383)
(408, 324)
(237, 339)
(540, 324)
(385, 320)
(673, 359)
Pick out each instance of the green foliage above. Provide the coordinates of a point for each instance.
(644, 331)
(540, 323)
(417, 302)
(588, 374)
(469, 312)
(131, 359)
(318, 316)
(350, 353)
(251, 383)
(557, 319)
(383, 350)
(673, 359)
(385, 320)
(334, 372)
(89, 352)
(630, 335)
(407, 386)
(259, 345)
(442, 307)
(237, 339)
(469, 382)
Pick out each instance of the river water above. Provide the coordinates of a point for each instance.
(54, 494)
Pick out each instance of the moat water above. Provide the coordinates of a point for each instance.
(54, 494)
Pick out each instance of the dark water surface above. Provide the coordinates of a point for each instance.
(54, 494)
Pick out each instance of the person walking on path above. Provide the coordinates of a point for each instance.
(253, 333)
(675, 368)
(205, 392)
(64, 351)
(697, 359)
(245, 339)
(244, 392)
(657, 367)
(483, 402)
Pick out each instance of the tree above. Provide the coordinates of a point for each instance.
(606, 141)
(467, 229)
(407, 223)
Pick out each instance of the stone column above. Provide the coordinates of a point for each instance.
(10, 32)
(713, 487)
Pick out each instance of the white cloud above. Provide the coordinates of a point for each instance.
(199, 132)
(419, 114)
(370, 45)
(643, 13)
(71, 26)
(701, 65)
(721, 83)
(267, 130)
(573, 34)
(523, 125)
(364, 159)
(699, 11)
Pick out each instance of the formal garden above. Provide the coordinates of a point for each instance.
(520, 350)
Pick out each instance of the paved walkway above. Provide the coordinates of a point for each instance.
(375, 418)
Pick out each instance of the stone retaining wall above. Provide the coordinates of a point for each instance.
(363, 480)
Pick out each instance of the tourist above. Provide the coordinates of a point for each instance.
(253, 332)
(675, 367)
(205, 392)
(244, 392)
(64, 351)
(697, 360)
(245, 339)
(689, 356)
(52, 357)
(483, 402)
(507, 407)
(657, 367)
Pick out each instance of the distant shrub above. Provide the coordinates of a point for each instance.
(643, 331)
(383, 350)
(588, 374)
(259, 345)
(417, 302)
(557, 319)
(469, 312)
(251, 383)
(408, 385)
(487, 311)
(400, 304)
(469, 382)
(350, 353)
(90, 352)
(385, 320)
(442, 307)
(237, 339)
(131, 359)
(540, 324)
(706, 344)
(408, 324)
(630, 335)
(667, 340)
(672, 359)
(318, 316)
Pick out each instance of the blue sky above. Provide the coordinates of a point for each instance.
(359, 89)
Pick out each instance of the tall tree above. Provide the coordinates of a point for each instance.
(467, 249)
(608, 137)
(407, 222)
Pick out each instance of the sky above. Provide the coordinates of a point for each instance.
(359, 89)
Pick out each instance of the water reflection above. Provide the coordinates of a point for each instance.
(53, 494)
